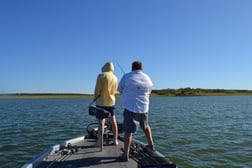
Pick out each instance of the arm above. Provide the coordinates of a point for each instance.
(121, 85)
(98, 87)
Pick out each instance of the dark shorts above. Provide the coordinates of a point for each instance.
(133, 120)
(110, 109)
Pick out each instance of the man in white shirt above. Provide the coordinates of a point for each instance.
(135, 87)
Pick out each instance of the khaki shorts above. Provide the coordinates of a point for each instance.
(133, 120)
(109, 109)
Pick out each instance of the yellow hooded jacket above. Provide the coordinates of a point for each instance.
(106, 86)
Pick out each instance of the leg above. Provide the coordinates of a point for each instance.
(148, 135)
(127, 142)
(129, 127)
(147, 129)
(114, 129)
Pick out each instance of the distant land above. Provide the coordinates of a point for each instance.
(46, 95)
(200, 92)
(162, 92)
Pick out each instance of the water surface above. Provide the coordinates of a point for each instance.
(191, 131)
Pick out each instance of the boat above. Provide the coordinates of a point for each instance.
(82, 151)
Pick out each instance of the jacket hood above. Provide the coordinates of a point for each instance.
(108, 67)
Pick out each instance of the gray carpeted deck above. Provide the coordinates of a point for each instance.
(89, 156)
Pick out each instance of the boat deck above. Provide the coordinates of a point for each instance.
(82, 152)
(87, 155)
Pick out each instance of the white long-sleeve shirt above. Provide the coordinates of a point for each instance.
(135, 87)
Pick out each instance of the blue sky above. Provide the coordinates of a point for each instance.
(59, 46)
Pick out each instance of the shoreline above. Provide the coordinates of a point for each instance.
(67, 95)
(44, 95)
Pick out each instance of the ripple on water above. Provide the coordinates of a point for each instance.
(191, 131)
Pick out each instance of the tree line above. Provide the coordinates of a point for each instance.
(199, 92)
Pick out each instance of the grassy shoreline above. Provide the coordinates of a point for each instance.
(201, 92)
(44, 95)
(164, 92)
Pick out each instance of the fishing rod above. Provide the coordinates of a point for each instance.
(87, 107)
(120, 67)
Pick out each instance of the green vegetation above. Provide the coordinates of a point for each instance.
(46, 95)
(163, 92)
(200, 92)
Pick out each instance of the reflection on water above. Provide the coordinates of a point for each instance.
(191, 131)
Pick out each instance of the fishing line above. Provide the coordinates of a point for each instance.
(87, 107)
(120, 67)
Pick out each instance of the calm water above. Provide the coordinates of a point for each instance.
(191, 131)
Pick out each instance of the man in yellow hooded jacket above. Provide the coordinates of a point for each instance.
(105, 90)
